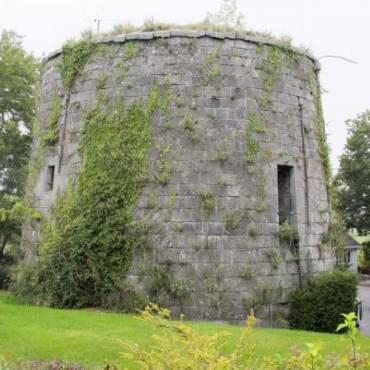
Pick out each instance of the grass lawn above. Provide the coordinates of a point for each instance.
(93, 338)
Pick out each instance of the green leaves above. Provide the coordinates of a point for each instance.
(349, 323)
(353, 179)
(319, 305)
(87, 250)
(74, 57)
(18, 78)
(51, 136)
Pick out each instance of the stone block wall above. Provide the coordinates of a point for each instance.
(234, 115)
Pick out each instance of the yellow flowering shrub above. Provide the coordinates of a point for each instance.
(178, 346)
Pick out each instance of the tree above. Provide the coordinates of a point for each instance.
(227, 17)
(352, 182)
(18, 78)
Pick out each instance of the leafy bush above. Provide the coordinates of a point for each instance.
(319, 305)
(366, 249)
(6, 263)
(86, 251)
(178, 346)
(364, 261)
(312, 358)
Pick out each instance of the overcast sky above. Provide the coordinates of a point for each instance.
(327, 27)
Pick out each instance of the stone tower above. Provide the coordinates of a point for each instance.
(244, 154)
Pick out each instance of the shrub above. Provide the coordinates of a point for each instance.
(366, 249)
(319, 305)
(6, 263)
(288, 234)
(86, 251)
(364, 267)
(177, 345)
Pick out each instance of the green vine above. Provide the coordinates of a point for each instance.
(211, 70)
(248, 272)
(289, 235)
(208, 203)
(274, 257)
(232, 219)
(101, 81)
(172, 196)
(51, 136)
(323, 147)
(87, 250)
(271, 68)
(254, 232)
(261, 193)
(188, 125)
(35, 163)
(262, 295)
(164, 171)
(131, 52)
(254, 125)
(74, 57)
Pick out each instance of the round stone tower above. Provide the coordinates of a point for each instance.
(236, 190)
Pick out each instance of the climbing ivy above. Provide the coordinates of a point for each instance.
(163, 174)
(274, 58)
(189, 127)
(254, 125)
(132, 51)
(162, 284)
(274, 258)
(50, 137)
(210, 69)
(232, 219)
(74, 57)
(271, 68)
(87, 250)
(319, 128)
(171, 200)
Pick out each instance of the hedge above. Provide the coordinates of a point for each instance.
(319, 305)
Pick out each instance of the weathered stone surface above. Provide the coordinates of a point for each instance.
(213, 254)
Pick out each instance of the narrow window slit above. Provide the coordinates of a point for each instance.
(50, 178)
(286, 204)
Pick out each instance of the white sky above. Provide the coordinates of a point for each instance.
(335, 27)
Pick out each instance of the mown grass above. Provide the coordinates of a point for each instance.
(93, 338)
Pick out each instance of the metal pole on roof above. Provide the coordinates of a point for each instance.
(338, 57)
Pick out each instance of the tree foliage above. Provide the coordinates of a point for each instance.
(18, 77)
(353, 178)
(319, 305)
(227, 17)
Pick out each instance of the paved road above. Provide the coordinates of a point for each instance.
(364, 296)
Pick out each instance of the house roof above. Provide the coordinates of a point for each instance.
(351, 243)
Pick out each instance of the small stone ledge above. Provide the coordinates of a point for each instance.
(188, 34)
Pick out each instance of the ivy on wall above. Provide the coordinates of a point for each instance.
(319, 130)
(86, 251)
(74, 57)
(50, 136)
